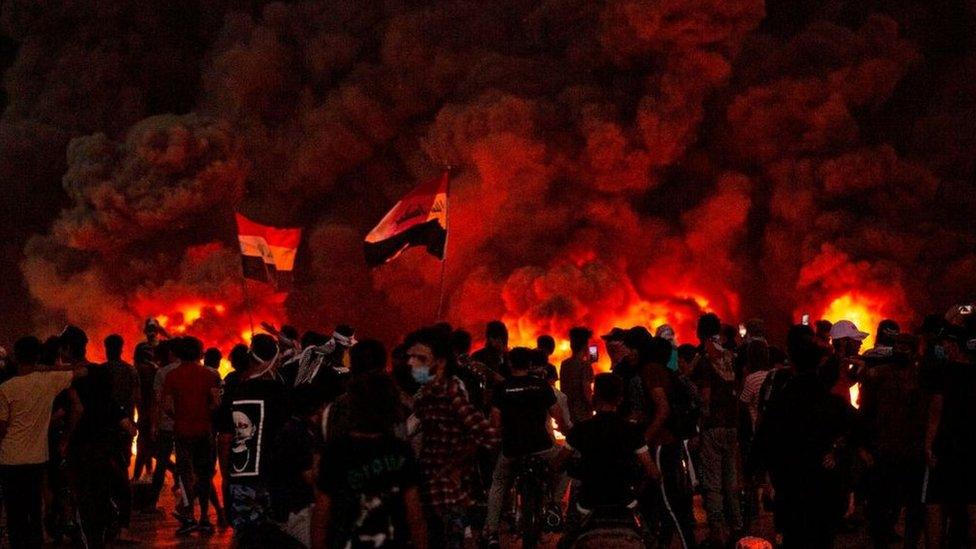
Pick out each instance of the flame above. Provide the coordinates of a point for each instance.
(864, 311)
(855, 392)
(680, 310)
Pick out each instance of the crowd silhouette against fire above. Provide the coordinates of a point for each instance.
(329, 441)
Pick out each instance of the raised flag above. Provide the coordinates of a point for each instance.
(418, 219)
(267, 253)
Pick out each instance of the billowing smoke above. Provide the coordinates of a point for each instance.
(614, 162)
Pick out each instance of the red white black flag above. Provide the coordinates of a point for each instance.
(267, 253)
(419, 219)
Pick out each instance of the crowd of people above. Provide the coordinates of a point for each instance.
(325, 441)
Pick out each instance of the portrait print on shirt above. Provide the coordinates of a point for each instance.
(245, 452)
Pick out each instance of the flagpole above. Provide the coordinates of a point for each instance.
(247, 300)
(247, 296)
(447, 236)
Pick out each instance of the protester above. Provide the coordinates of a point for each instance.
(667, 503)
(800, 441)
(950, 440)
(125, 393)
(716, 380)
(293, 457)
(475, 376)
(367, 488)
(894, 409)
(325, 366)
(577, 375)
(452, 430)
(26, 402)
(257, 407)
(162, 426)
(522, 405)
(320, 452)
(146, 367)
(614, 457)
(191, 393)
(494, 354)
(93, 455)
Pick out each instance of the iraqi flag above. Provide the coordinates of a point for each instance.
(267, 253)
(418, 219)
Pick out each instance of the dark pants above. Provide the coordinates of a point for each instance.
(144, 451)
(94, 469)
(22, 492)
(121, 491)
(893, 485)
(667, 505)
(194, 465)
(809, 507)
(164, 449)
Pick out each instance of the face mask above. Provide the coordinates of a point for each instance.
(421, 374)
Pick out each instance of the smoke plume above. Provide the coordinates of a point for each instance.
(613, 162)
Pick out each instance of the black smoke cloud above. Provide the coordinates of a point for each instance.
(611, 159)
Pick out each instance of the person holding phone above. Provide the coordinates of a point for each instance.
(576, 373)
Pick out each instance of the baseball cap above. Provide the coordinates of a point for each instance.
(615, 334)
(846, 328)
(636, 337)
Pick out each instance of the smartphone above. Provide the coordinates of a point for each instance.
(594, 353)
(805, 319)
(742, 330)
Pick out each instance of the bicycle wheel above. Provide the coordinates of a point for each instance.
(530, 502)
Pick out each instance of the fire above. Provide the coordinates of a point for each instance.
(866, 313)
(681, 311)
(863, 311)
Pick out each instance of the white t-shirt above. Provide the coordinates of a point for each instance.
(25, 404)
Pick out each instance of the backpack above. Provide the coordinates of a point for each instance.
(771, 387)
(686, 406)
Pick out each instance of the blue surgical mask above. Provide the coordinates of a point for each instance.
(421, 374)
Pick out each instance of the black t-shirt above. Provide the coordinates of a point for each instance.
(608, 471)
(366, 478)
(100, 413)
(255, 412)
(524, 402)
(292, 456)
(957, 430)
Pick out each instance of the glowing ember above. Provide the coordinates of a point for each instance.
(855, 391)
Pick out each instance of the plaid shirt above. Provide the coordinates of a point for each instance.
(452, 430)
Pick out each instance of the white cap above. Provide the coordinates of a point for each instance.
(846, 328)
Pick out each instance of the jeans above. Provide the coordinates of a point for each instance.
(22, 492)
(164, 449)
(194, 465)
(719, 454)
(501, 482)
(446, 527)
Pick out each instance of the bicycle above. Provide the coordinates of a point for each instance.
(531, 473)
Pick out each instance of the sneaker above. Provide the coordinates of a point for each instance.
(187, 528)
(205, 528)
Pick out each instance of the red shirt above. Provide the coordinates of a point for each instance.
(191, 386)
